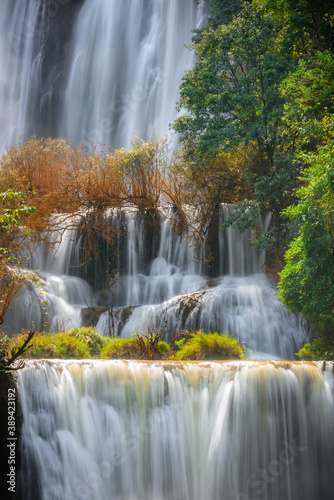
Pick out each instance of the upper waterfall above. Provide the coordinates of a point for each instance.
(92, 70)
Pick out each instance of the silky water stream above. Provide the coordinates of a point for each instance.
(164, 431)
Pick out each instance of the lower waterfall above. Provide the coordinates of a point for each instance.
(208, 431)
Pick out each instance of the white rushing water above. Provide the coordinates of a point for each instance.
(124, 430)
(175, 294)
(169, 291)
(97, 70)
(127, 62)
(92, 70)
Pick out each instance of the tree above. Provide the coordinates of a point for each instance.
(232, 95)
(307, 282)
(309, 93)
(12, 278)
(234, 103)
(308, 24)
(221, 11)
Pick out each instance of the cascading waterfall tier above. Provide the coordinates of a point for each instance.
(161, 281)
(215, 431)
(92, 70)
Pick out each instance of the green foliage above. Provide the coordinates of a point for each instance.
(309, 91)
(9, 353)
(9, 217)
(234, 100)
(60, 345)
(91, 337)
(12, 278)
(307, 282)
(232, 95)
(318, 350)
(213, 346)
(308, 23)
(83, 343)
(135, 348)
(277, 189)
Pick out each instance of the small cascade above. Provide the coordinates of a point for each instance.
(246, 308)
(233, 430)
(174, 270)
(175, 294)
(237, 257)
(56, 301)
(152, 276)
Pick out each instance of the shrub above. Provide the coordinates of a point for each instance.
(60, 345)
(147, 346)
(209, 346)
(318, 350)
(91, 337)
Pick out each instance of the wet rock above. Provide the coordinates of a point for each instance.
(91, 315)
(187, 305)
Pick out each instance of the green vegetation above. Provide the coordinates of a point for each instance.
(88, 335)
(10, 352)
(257, 132)
(60, 345)
(307, 281)
(262, 90)
(85, 343)
(209, 346)
(118, 348)
(77, 343)
(12, 277)
(316, 351)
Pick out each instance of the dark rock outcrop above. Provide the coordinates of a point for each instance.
(91, 315)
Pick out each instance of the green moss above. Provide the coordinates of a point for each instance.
(210, 346)
(164, 347)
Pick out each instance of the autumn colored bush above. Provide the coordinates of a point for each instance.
(73, 188)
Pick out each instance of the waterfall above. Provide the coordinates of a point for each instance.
(97, 70)
(127, 430)
(57, 299)
(92, 70)
(175, 293)
(155, 277)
